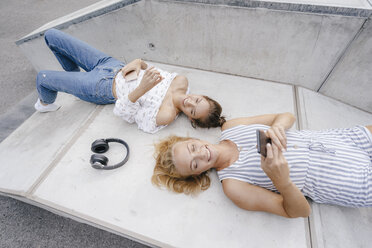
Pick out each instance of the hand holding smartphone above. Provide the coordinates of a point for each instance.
(262, 140)
(130, 76)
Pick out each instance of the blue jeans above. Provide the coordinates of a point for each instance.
(93, 85)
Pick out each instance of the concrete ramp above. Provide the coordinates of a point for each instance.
(124, 200)
(292, 48)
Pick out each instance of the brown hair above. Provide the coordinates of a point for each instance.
(214, 118)
(165, 173)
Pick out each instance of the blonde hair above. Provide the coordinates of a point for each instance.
(165, 172)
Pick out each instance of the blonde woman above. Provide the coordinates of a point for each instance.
(332, 166)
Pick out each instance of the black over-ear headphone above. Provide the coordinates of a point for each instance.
(99, 161)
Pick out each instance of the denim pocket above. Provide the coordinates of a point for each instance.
(103, 90)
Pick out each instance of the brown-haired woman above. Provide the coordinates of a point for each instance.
(149, 96)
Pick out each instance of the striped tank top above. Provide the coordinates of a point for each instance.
(332, 166)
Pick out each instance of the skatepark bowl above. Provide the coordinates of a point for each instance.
(308, 57)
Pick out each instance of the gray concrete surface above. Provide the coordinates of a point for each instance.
(133, 206)
(17, 19)
(23, 225)
(44, 135)
(350, 81)
(57, 242)
(293, 47)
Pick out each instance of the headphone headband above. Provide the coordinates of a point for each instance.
(100, 161)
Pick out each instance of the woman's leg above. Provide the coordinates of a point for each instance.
(94, 86)
(72, 53)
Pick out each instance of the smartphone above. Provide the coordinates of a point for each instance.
(130, 76)
(262, 140)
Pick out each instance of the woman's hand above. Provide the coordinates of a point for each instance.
(276, 166)
(150, 79)
(136, 65)
(277, 135)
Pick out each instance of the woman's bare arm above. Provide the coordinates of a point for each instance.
(150, 78)
(369, 128)
(285, 120)
(290, 203)
(254, 198)
(278, 122)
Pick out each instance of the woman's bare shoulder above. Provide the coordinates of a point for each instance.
(165, 116)
(180, 82)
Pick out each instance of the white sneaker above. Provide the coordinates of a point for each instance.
(45, 108)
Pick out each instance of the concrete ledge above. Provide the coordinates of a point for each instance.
(28, 152)
(350, 8)
(337, 7)
(83, 219)
(299, 48)
(94, 10)
(232, 40)
(15, 116)
(350, 81)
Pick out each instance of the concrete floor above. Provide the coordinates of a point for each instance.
(23, 225)
(26, 226)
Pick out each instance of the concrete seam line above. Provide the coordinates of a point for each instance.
(297, 107)
(315, 216)
(370, 2)
(292, 7)
(85, 219)
(10, 193)
(351, 105)
(92, 221)
(343, 54)
(62, 152)
(307, 228)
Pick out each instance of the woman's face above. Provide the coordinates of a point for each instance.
(195, 106)
(192, 157)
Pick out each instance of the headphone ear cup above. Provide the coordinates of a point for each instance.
(100, 146)
(98, 161)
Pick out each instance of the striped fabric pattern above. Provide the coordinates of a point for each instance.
(331, 166)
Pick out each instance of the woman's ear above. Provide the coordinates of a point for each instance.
(192, 122)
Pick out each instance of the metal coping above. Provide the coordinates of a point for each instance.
(294, 7)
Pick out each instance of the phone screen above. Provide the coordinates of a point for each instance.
(262, 140)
